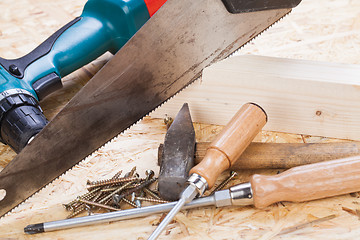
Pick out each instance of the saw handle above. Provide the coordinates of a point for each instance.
(231, 142)
(308, 182)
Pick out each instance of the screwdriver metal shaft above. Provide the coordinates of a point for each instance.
(187, 196)
(167, 219)
(219, 199)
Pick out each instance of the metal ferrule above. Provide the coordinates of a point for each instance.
(222, 198)
(241, 194)
(198, 182)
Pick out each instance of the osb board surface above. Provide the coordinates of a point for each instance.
(318, 30)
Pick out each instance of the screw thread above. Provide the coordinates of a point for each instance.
(226, 181)
(88, 195)
(135, 189)
(99, 205)
(114, 192)
(151, 193)
(77, 212)
(131, 203)
(107, 182)
(131, 173)
(151, 200)
(117, 175)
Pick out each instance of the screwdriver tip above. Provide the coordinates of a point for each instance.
(167, 219)
(187, 196)
(34, 228)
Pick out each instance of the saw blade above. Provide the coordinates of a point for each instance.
(166, 55)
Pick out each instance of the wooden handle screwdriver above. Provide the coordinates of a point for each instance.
(299, 184)
(221, 154)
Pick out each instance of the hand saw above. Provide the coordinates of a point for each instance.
(162, 58)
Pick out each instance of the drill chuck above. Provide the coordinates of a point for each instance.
(21, 118)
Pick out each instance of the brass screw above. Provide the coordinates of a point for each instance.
(70, 206)
(76, 206)
(96, 197)
(108, 182)
(95, 204)
(77, 212)
(149, 175)
(151, 193)
(117, 175)
(130, 191)
(107, 202)
(114, 192)
(134, 185)
(151, 200)
(131, 203)
(131, 173)
(226, 181)
(111, 189)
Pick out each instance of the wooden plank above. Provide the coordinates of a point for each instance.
(299, 96)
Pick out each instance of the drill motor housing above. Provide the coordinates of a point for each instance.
(104, 26)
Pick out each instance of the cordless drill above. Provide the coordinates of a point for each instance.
(104, 26)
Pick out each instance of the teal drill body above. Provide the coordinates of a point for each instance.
(104, 26)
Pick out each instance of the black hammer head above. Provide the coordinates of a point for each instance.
(177, 157)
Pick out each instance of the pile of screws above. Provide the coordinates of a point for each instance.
(113, 193)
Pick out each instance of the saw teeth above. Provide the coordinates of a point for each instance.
(124, 132)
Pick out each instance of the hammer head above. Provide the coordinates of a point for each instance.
(177, 156)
